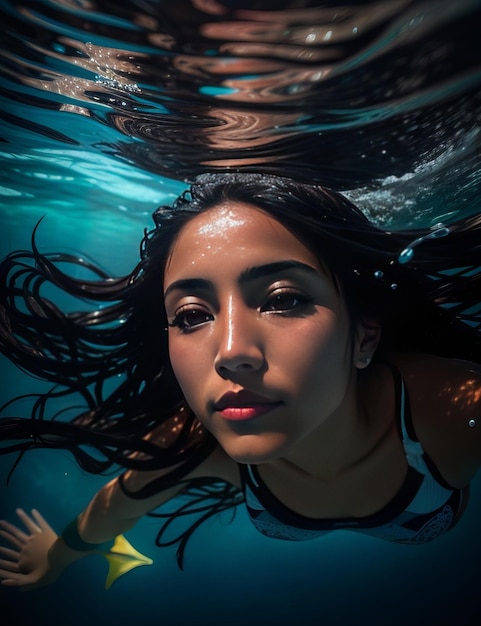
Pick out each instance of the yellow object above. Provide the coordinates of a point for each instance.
(123, 557)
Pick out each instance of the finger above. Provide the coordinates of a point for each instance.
(13, 530)
(41, 521)
(8, 582)
(28, 521)
(8, 566)
(12, 539)
(11, 554)
(10, 577)
(14, 582)
(23, 582)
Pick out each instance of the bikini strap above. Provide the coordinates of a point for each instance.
(413, 449)
(403, 406)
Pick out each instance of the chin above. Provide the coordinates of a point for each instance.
(253, 449)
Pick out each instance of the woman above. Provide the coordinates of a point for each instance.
(271, 339)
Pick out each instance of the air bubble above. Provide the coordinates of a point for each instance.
(437, 231)
(441, 231)
(406, 255)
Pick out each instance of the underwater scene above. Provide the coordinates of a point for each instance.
(108, 110)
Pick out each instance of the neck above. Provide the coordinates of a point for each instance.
(347, 437)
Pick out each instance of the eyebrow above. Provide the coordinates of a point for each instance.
(263, 271)
(248, 275)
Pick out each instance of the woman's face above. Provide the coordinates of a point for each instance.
(259, 336)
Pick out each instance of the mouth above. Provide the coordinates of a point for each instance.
(244, 405)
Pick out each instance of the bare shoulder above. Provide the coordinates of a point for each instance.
(455, 376)
(445, 398)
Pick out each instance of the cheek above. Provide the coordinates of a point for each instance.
(187, 366)
(321, 341)
(180, 361)
(320, 355)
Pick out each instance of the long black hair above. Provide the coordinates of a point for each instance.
(108, 359)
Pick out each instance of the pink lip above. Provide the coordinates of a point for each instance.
(243, 405)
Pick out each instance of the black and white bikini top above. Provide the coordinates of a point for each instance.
(424, 508)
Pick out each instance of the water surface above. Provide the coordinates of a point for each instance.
(107, 110)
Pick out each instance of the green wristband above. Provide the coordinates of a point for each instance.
(73, 540)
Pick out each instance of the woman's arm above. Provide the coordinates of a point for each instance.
(115, 509)
(38, 556)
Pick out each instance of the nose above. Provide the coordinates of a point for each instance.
(239, 349)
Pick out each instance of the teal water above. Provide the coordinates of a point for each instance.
(100, 123)
(233, 575)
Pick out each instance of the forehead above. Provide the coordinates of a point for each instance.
(234, 233)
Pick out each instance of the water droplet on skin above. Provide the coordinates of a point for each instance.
(378, 274)
(472, 423)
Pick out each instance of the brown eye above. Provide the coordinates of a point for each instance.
(285, 301)
(187, 319)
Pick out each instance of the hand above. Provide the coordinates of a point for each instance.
(27, 565)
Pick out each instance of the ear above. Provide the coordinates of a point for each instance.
(368, 334)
